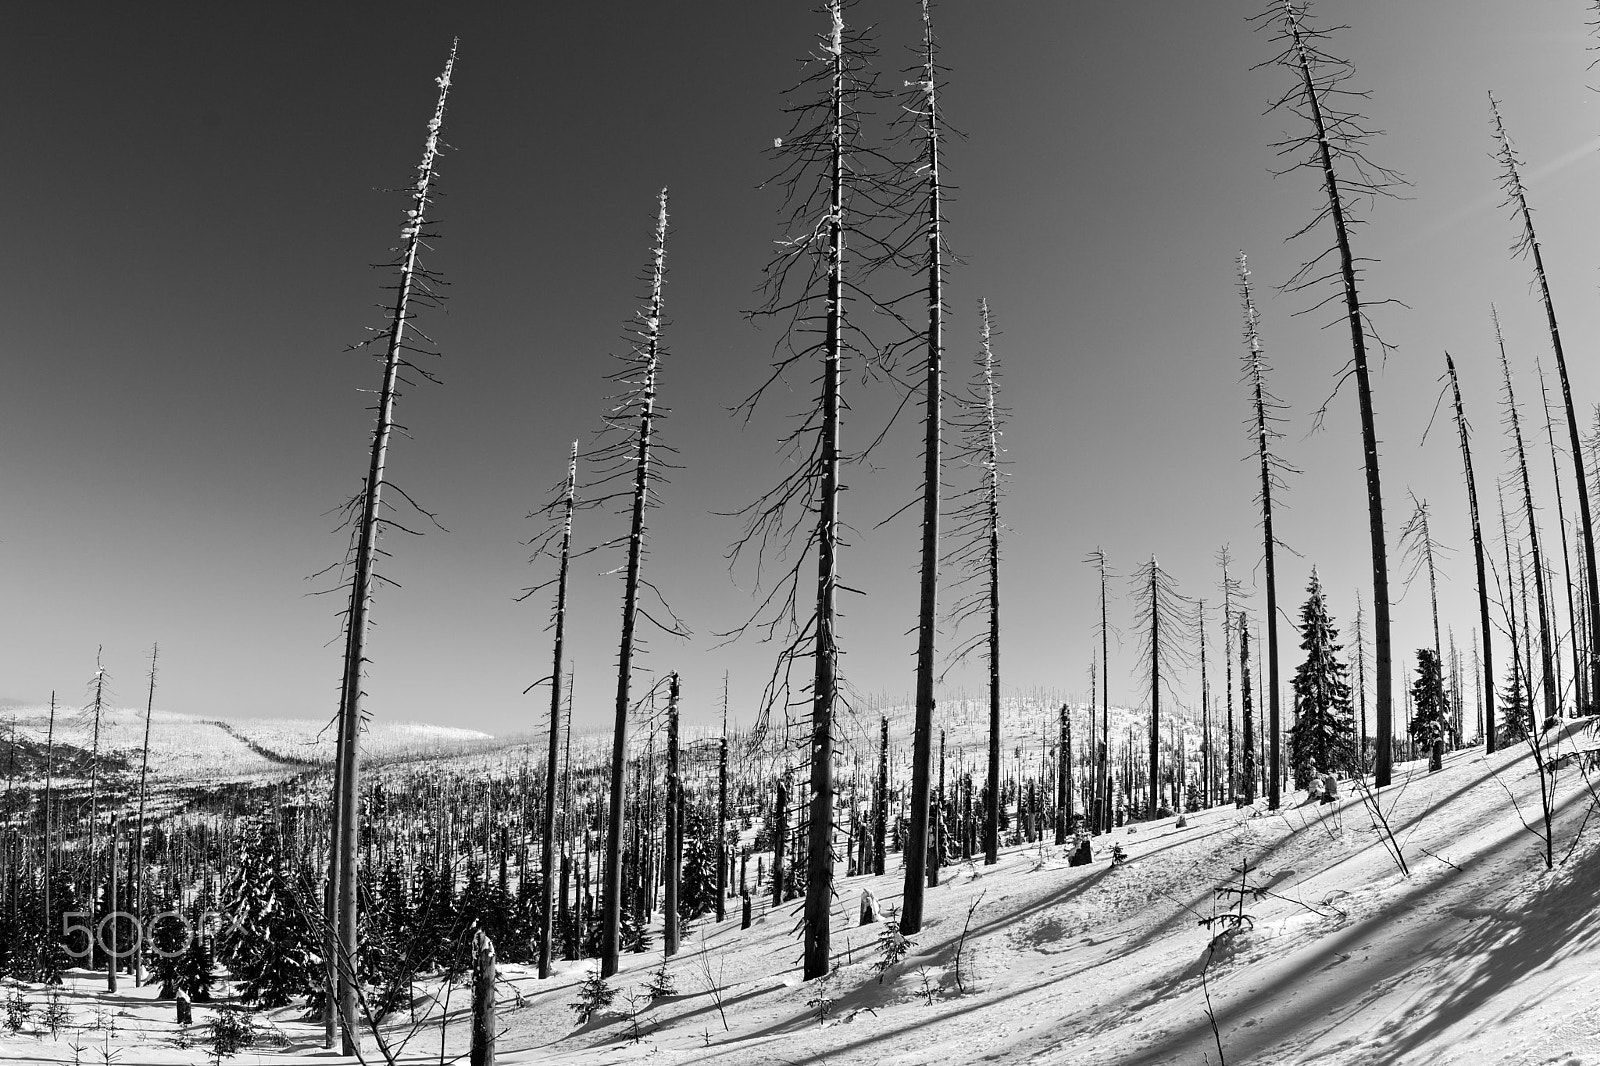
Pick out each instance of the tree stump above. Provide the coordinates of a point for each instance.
(483, 1015)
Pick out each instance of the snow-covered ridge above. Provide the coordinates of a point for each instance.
(190, 747)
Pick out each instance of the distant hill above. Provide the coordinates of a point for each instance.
(193, 748)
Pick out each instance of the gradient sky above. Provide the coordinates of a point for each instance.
(194, 193)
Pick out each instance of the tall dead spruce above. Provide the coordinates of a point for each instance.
(976, 530)
(1334, 147)
(1159, 617)
(1513, 424)
(557, 540)
(1490, 739)
(626, 452)
(1527, 244)
(1263, 425)
(924, 108)
(415, 283)
(830, 193)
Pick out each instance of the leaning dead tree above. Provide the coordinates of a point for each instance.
(1477, 555)
(924, 109)
(626, 454)
(1527, 244)
(1580, 680)
(1334, 147)
(831, 197)
(975, 529)
(415, 284)
(1263, 425)
(1513, 424)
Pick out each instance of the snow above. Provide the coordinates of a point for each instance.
(1480, 956)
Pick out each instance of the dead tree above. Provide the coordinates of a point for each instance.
(564, 506)
(1230, 588)
(1247, 770)
(1513, 425)
(1159, 619)
(1263, 424)
(1477, 556)
(138, 832)
(1527, 244)
(832, 185)
(724, 871)
(975, 521)
(673, 851)
(924, 108)
(95, 713)
(626, 451)
(1579, 675)
(1205, 705)
(1419, 548)
(1334, 148)
(1101, 822)
(414, 285)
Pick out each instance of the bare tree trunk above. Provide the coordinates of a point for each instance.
(928, 607)
(348, 843)
(992, 515)
(1579, 676)
(1063, 775)
(611, 906)
(1477, 557)
(780, 837)
(111, 909)
(138, 833)
(880, 802)
(1529, 242)
(1321, 140)
(1547, 673)
(1154, 801)
(1247, 772)
(674, 841)
(1262, 404)
(724, 871)
(547, 832)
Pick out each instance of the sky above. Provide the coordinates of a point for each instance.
(197, 193)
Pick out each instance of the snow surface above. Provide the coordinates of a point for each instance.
(1480, 956)
(189, 749)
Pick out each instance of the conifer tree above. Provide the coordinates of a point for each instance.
(1323, 736)
(267, 943)
(1430, 717)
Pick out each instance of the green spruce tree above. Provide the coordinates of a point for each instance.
(1323, 736)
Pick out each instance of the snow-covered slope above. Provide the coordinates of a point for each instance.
(189, 749)
(1479, 956)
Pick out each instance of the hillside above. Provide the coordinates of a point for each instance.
(1478, 956)
(188, 749)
